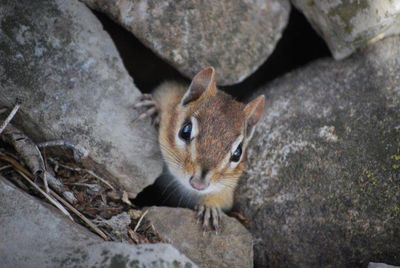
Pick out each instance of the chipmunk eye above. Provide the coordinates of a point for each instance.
(237, 154)
(186, 131)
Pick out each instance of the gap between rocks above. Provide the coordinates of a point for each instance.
(299, 45)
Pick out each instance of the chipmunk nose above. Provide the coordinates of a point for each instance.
(199, 183)
(204, 172)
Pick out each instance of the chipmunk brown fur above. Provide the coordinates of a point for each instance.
(203, 136)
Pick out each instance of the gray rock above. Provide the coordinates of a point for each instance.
(235, 37)
(55, 56)
(118, 224)
(34, 234)
(178, 226)
(380, 265)
(323, 183)
(349, 25)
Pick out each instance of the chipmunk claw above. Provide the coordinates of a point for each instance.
(210, 218)
(149, 108)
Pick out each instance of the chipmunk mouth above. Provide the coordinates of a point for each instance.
(199, 185)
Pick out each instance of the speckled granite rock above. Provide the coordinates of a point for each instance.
(34, 234)
(235, 37)
(380, 265)
(230, 248)
(323, 184)
(55, 56)
(349, 25)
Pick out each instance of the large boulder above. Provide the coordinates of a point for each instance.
(56, 58)
(232, 247)
(34, 234)
(349, 25)
(235, 37)
(323, 184)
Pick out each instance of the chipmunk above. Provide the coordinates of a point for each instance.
(203, 136)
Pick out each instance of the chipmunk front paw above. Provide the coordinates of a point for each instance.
(149, 108)
(210, 217)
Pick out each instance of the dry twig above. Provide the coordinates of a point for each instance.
(81, 216)
(48, 197)
(125, 198)
(5, 167)
(9, 117)
(79, 152)
(27, 176)
(140, 220)
(28, 151)
(59, 188)
(77, 169)
(54, 182)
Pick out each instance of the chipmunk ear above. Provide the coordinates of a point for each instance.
(253, 113)
(203, 84)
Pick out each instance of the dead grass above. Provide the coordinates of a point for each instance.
(96, 200)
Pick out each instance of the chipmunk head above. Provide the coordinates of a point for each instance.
(209, 136)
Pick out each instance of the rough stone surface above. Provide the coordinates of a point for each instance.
(380, 265)
(349, 25)
(34, 234)
(230, 248)
(56, 58)
(323, 184)
(235, 37)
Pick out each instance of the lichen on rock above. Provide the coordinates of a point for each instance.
(322, 186)
(350, 25)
